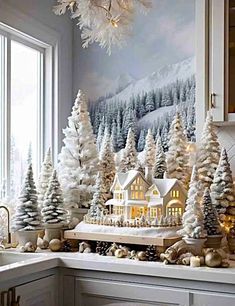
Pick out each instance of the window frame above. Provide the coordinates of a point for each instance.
(48, 99)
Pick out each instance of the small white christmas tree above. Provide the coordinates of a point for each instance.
(193, 226)
(107, 163)
(160, 162)
(222, 189)
(149, 150)
(208, 153)
(78, 158)
(97, 208)
(211, 223)
(177, 155)
(44, 177)
(27, 216)
(129, 159)
(53, 211)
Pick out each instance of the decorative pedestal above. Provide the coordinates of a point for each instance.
(27, 236)
(213, 241)
(53, 231)
(198, 244)
(78, 213)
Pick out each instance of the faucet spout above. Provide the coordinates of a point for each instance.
(8, 222)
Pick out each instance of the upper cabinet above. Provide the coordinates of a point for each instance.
(215, 55)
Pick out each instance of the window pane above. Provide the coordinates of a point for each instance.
(2, 174)
(25, 111)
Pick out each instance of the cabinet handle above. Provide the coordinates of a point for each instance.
(3, 295)
(212, 100)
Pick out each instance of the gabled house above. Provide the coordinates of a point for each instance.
(134, 196)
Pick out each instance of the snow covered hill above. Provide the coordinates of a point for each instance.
(166, 75)
(155, 115)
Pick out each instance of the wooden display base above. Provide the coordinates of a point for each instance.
(160, 242)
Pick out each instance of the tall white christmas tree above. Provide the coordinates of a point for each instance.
(107, 163)
(160, 162)
(177, 155)
(97, 208)
(149, 150)
(193, 219)
(27, 215)
(44, 177)
(53, 211)
(129, 159)
(222, 189)
(208, 153)
(78, 164)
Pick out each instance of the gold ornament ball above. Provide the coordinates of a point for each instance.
(119, 253)
(213, 259)
(141, 255)
(55, 245)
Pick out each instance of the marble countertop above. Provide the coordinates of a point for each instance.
(44, 260)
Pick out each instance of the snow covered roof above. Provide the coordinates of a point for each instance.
(136, 202)
(125, 179)
(165, 185)
(114, 202)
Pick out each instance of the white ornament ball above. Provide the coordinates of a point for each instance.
(43, 244)
(87, 250)
(55, 245)
(29, 247)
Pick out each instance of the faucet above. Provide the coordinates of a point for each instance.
(8, 223)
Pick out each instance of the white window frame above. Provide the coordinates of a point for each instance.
(28, 31)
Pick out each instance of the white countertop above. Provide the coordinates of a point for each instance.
(44, 260)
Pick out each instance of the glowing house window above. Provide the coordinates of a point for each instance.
(175, 193)
(137, 192)
(155, 192)
(174, 211)
(118, 210)
(118, 196)
(155, 212)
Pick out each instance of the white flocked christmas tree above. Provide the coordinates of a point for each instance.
(53, 211)
(222, 189)
(44, 177)
(78, 160)
(129, 159)
(177, 156)
(97, 208)
(27, 216)
(149, 150)
(193, 219)
(160, 162)
(107, 163)
(208, 153)
(211, 222)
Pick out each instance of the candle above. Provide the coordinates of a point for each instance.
(195, 261)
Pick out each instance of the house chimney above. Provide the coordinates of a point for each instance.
(149, 174)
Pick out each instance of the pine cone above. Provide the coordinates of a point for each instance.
(151, 254)
(67, 246)
(102, 247)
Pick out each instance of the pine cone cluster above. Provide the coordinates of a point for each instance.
(102, 248)
(151, 254)
(67, 246)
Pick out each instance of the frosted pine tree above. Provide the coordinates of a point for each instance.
(222, 189)
(78, 160)
(165, 138)
(53, 211)
(149, 150)
(193, 226)
(44, 177)
(208, 153)
(141, 141)
(160, 162)
(100, 134)
(129, 159)
(27, 216)
(177, 155)
(97, 208)
(211, 223)
(107, 163)
(114, 136)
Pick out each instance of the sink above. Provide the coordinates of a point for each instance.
(7, 258)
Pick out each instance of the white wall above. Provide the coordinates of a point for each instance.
(41, 12)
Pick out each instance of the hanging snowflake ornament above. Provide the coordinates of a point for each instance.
(107, 22)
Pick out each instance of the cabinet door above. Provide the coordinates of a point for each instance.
(42, 292)
(213, 299)
(89, 292)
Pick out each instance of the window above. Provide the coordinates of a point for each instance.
(155, 192)
(118, 196)
(22, 107)
(137, 192)
(175, 193)
(174, 211)
(155, 212)
(118, 210)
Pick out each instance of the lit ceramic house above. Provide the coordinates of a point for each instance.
(134, 196)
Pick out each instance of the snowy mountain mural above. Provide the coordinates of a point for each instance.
(142, 85)
(150, 102)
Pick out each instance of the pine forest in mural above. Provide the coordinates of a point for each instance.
(142, 85)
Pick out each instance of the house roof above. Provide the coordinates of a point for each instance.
(115, 202)
(165, 185)
(125, 179)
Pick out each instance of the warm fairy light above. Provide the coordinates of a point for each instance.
(114, 23)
